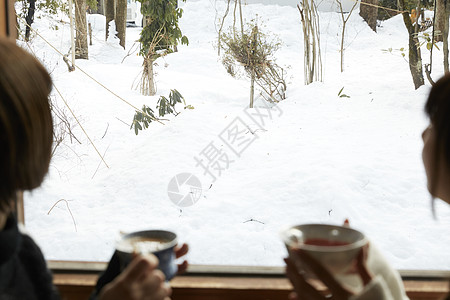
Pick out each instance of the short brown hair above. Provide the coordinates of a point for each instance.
(26, 127)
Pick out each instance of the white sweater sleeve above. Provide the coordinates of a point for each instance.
(377, 289)
(386, 284)
(389, 278)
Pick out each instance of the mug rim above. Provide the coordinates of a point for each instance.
(316, 248)
(146, 233)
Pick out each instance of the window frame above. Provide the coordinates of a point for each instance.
(209, 282)
(419, 284)
(78, 274)
(231, 270)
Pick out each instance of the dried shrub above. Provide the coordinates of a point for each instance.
(255, 50)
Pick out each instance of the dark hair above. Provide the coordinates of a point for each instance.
(26, 127)
(438, 110)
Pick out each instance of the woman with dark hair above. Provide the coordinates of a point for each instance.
(436, 159)
(436, 139)
(26, 135)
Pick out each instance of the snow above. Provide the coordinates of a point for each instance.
(318, 159)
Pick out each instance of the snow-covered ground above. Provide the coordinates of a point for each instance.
(318, 158)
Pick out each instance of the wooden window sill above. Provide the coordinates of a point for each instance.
(79, 286)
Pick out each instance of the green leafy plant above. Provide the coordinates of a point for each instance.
(392, 51)
(162, 18)
(342, 95)
(426, 38)
(167, 106)
(143, 118)
(159, 37)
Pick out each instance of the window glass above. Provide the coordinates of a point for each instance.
(346, 147)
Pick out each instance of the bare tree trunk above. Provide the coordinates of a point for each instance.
(151, 81)
(342, 48)
(148, 82)
(253, 45)
(90, 34)
(234, 17)
(445, 37)
(81, 42)
(29, 19)
(109, 14)
(369, 13)
(415, 57)
(221, 27)
(441, 15)
(101, 7)
(252, 89)
(311, 41)
(344, 23)
(240, 15)
(121, 20)
(72, 38)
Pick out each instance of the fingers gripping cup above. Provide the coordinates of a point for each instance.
(160, 243)
(335, 247)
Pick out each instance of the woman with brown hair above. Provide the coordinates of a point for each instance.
(436, 159)
(26, 135)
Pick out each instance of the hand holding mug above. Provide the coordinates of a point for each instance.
(304, 290)
(140, 280)
(181, 251)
